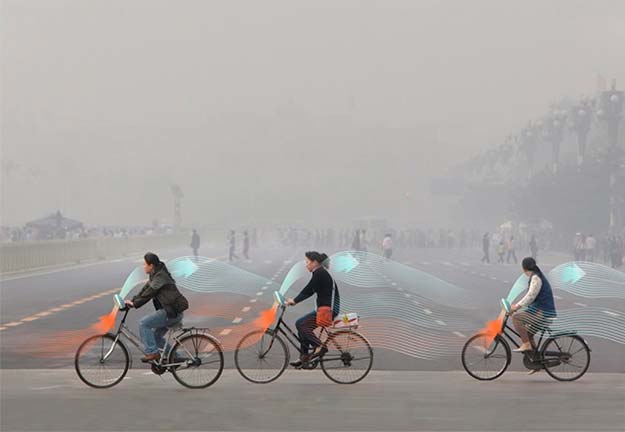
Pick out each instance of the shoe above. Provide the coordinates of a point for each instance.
(533, 371)
(301, 362)
(151, 357)
(524, 347)
(319, 352)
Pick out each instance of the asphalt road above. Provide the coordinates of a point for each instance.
(46, 315)
(305, 400)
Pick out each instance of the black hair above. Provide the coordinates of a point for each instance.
(529, 264)
(321, 258)
(152, 259)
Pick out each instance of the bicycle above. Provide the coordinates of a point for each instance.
(564, 355)
(102, 361)
(262, 356)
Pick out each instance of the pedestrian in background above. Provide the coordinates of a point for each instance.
(195, 243)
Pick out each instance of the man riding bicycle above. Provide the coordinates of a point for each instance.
(328, 307)
(168, 301)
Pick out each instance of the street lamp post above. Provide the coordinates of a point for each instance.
(610, 110)
(554, 132)
(581, 120)
(529, 139)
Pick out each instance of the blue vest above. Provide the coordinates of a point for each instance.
(544, 300)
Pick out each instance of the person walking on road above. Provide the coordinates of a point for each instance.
(356, 241)
(246, 245)
(231, 250)
(591, 245)
(387, 246)
(486, 247)
(511, 246)
(195, 243)
(534, 247)
(501, 251)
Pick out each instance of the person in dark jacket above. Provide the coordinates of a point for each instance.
(168, 301)
(328, 301)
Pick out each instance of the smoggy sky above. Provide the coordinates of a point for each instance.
(276, 110)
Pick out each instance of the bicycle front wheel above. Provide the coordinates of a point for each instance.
(349, 357)
(485, 358)
(261, 357)
(101, 362)
(201, 361)
(566, 358)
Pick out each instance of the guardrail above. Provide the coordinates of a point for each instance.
(16, 257)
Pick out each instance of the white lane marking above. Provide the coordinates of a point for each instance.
(42, 314)
(457, 333)
(30, 318)
(493, 278)
(225, 332)
(13, 324)
(605, 311)
(439, 322)
(56, 309)
(253, 301)
(237, 320)
(246, 309)
(51, 387)
(264, 288)
(506, 282)
(407, 295)
(259, 293)
(580, 304)
(557, 297)
(2, 328)
(427, 311)
(416, 302)
(394, 283)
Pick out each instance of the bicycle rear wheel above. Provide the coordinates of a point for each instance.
(261, 357)
(485, 359)
(566, 358)
(101, 362)
(349, 357)
(203, 358)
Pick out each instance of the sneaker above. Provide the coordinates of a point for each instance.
(533, 371)
(319, 352)
(151, 357)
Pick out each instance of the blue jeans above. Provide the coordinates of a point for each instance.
(152, 329)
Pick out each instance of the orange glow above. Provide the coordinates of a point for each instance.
(107, 322)
(266, 318)
(492, 329)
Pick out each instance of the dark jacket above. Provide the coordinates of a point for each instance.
(322, 284)
(162, 290)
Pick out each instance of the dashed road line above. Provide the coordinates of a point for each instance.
(225, 332)
(581, 304)
(427, 311)
(439, 322)
(605, 311)
(246, 309)
(457, 333)
(237, 320)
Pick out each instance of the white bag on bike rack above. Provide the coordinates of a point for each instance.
(349, 320)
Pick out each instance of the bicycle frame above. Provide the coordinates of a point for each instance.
(293, 338)
(124, 330)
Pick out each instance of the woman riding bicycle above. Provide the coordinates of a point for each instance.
(328, 306)
(539, 306)
(168, 301)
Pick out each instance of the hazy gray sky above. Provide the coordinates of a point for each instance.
(267, 110)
